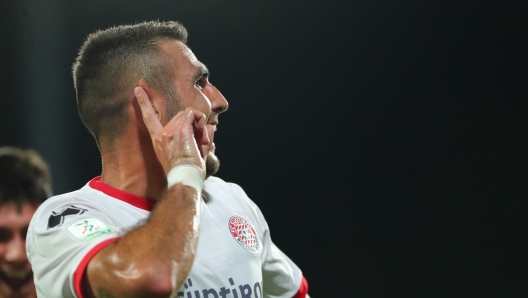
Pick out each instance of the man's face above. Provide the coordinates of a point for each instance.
(16, 277)
(193, 89)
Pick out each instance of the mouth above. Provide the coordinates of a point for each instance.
(214, 123)
(16, 280)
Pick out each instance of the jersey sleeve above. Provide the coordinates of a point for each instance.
(280, 276)
(61, 240)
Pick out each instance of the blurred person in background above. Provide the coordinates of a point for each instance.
(25, 182)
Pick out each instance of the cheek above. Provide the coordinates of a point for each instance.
(3, 249)
(164, 113)
(206, 104)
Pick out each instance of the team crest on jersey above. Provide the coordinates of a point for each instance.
(245, 234)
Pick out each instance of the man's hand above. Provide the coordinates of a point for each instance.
(184, 139)
(154, 259)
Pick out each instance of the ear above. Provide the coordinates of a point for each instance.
(151, 93)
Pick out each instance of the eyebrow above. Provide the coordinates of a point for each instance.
(202, 72)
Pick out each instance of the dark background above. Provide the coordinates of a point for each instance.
(385, 141)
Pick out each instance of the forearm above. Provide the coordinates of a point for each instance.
(154, 259)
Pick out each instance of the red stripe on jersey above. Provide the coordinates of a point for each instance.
(79, 273)
(303, 290)
(132, 199)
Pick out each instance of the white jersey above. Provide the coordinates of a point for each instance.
(235, 256)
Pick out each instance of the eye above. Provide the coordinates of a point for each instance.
(201, 83)
(5, 234)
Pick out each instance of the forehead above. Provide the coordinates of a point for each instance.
(16, 214)
(180, 56)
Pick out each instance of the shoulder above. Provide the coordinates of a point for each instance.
(216, 182)
(61, 233)
(75, 202)
(233, 199)
(85, 203)
(68, 201)
(227, 191)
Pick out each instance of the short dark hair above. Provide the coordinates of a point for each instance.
(24, 177)
(109, 65)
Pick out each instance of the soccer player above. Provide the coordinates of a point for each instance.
(25, 182)
(150, 225)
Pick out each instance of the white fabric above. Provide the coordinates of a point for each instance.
(221, 264)
(186, 174)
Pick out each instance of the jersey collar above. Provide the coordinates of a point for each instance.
(132, 199)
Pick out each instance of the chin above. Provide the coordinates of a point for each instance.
(17, 289)
(212, 164)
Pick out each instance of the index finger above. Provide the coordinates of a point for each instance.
(149, 116)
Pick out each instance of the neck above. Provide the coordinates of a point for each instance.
(132, 166)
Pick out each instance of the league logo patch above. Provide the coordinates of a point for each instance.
(88, 229)
(57, 218)
(245, 234)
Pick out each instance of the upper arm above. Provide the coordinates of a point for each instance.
(110, 273)
(151, 260)
(58, 249)
(89, 274)
(281, 276)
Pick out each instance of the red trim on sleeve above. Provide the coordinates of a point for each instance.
(79, 273)
(132, 199)
(303, 289)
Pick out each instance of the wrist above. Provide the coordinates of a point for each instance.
(186, 174)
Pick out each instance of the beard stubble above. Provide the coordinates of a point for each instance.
(212, 163)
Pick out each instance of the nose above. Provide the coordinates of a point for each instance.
(218, 102)
(16, 250)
